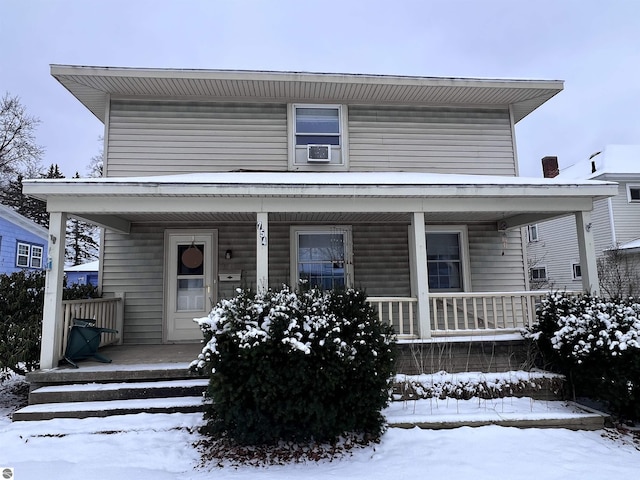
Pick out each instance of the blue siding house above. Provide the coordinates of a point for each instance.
(85, 274)
(23, 243)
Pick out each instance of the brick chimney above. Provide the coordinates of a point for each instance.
(550, 167)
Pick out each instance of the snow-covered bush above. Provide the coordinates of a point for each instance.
(21, 302)
(295, 366)
(596, 344)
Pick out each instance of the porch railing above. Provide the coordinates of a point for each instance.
(107, 313)
(399, 312)
(461, 313)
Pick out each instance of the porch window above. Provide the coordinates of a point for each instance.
(446, 260)
(321, 256)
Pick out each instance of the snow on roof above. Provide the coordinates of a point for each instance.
(23, 222)
(634, 244)
(85, 267)
(326, 178)
(614, 160)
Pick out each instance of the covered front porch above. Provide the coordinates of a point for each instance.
(254, 219)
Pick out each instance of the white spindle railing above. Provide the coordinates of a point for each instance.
(107, 313)
(462, 313)
(398, 312)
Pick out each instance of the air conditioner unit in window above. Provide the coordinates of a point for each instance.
(319, 153)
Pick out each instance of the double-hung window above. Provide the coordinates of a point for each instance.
(533, 233)
(446, 259)
(320, 256)
(317, 137)
(29, 255)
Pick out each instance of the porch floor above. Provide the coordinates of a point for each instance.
(128, 363)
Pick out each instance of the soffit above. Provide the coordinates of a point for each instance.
(93, 86)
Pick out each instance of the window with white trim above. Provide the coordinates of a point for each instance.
(36, 256)
(320, 256)
(447, 259)
(29, 255)
(633, 193)
(532, 232)
(317, 137)
(576, 271)
(538, 274)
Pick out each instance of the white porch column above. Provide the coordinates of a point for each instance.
(588, 265)
(419, 277)
(52, 319)
(262, 252)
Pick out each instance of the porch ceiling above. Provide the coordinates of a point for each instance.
(93, 86)
(323, 197)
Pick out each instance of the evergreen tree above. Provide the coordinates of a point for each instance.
(81, 245)
(11, 196)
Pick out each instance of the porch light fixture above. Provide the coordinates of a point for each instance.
(228, 254)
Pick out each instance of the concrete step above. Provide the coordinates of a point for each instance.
(49, 411)
(93, 392)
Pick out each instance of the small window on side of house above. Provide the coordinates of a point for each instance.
(633, 193)
(533, 233)
(576, 271)
(538, 274)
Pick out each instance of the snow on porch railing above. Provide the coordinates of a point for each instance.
(400, 312)
(463, 313)
(107, 312)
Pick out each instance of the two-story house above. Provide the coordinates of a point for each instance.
(406, 187)
(23, 243)
(554, 258)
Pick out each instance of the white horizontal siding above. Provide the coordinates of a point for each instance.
(495, 267)
(439, 140)
(164, 138)
(626, 215)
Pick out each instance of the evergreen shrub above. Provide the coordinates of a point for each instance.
(287, 366)
(21, 304)
(596, 344)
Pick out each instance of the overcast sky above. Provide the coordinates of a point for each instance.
(593, 45)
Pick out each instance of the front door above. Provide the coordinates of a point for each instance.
(190, 270)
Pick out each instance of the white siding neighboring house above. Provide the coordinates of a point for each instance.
(406, 187)
(615, 222)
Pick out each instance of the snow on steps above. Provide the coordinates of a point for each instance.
(105, 399)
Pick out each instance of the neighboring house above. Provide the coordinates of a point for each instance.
(23, 243)
(406, 187)
(85, 274)
(554, 257)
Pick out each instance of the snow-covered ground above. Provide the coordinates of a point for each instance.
(160, 446)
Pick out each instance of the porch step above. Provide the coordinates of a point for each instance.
(49, 411)
(94, 392)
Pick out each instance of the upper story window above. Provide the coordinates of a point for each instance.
(533, 233)
(317, 137)
(28, 255)
(317, 125)
(633, 193)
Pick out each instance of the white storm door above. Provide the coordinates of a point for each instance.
(190, 271)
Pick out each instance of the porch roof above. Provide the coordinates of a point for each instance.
(512, 201)
(94, 86)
